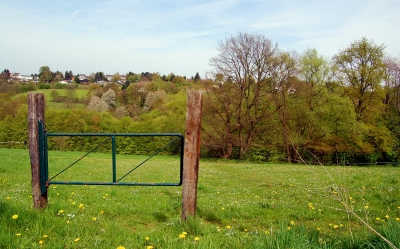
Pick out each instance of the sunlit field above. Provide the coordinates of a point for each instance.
(240, 205)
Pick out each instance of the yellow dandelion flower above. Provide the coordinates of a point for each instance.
(266, 232)
(292, 223)
(398, 219)
(341, 225)
(377, 219)
(120, 247)
(387, 216)
(94, 218)
(18, 234)
(196, 238)
(67, 221)
(366, 207)
(185, 233)
(245, 230)
(102, 212)
(335, 226)
(81, 205)
(288, 228)
(150, 247)
(147, 238)
(182, 236)
(229, 227)
(45, 236)
(318, 229)
(15, 216)
(77, 239)
(41, 242)
(223, 208)
(8, 198)
(60, 211)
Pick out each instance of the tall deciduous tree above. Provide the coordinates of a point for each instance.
(45, 75)
(361, 70)
(241, 105)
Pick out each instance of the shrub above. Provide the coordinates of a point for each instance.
(44, 86)
(59, 86)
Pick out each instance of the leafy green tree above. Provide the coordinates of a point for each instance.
(360, 69)
(134, 78)
(116, 78)
(314, 68)
(45, 75)
(76, 79)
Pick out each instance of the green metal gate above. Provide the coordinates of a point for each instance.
(45, 181)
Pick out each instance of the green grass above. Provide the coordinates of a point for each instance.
(80, 93)
(240, 205)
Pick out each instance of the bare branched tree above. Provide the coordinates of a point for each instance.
(250, 66)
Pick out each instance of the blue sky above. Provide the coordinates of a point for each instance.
(178, 36)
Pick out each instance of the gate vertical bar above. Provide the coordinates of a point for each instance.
(191, 154)
(114, 164)
(36, 104)
(42, 159)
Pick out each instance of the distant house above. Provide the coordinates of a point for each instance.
(82, 77)
(15, 76)
(20, 77)
(109, 77)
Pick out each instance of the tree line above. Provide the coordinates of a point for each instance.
(303, 106)
(260, 103)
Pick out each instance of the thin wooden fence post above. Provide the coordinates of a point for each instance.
(35, 113)
(191, 153)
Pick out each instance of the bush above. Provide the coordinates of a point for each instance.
(25, 87)
(59, 86)
(44, 86)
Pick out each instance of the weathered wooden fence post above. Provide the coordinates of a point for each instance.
(191, 153)
(35, 113)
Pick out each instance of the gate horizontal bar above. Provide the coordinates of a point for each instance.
(116, 183)
(114, 134)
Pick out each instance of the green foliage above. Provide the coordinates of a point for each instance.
(45, 75)
(360, 68)
(44, 86)
(59, 86)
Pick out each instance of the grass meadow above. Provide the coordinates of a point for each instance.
(240, 205)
